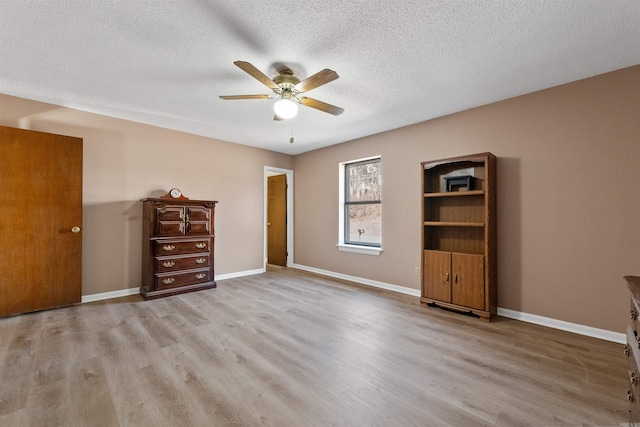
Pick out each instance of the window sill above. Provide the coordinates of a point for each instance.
(367, 250)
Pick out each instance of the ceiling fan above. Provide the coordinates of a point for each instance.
(289, 88)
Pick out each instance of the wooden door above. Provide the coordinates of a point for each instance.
(40, 208)
(437, 275)
(277, 220)
(468, 280)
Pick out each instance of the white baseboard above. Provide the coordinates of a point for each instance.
(374, 283)
(576, 328)
(524, 317)
(109, 295)
(240, 274)
(134, 291)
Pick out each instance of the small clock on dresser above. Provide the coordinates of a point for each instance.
(174, 193)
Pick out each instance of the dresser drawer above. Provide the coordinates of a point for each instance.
(634, 313)
(183, 262)
(634, 420)
(633, 354)
(179, 247)
(165, 281)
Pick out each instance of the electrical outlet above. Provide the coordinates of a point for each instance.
(417, 271)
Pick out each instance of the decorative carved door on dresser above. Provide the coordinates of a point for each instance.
(178, 243)
(40, 220)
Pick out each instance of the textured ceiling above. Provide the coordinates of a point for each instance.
(166, 62)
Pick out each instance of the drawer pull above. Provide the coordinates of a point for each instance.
(637, 340)
(201, 260)
(168, 281)
(168, 264)
(201, 245)
(633, 377)
(168, 247)
(200, 276)
(630, 396)
(626, 350)
(633, 314)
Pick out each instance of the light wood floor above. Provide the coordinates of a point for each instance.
(288, 348)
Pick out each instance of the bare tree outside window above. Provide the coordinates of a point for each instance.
(363, 203)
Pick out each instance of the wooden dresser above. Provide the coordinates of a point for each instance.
(632, 350)
(178, 246)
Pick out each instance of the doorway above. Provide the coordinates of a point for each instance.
(278, 216)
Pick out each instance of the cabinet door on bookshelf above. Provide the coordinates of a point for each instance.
(437, 275)
(454, 278)
(468, 280)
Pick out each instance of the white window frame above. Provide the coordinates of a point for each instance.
(342, 246)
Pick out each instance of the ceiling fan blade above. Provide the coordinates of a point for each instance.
(322, 106)
(318, 79)
(246, 96)
(256, 74)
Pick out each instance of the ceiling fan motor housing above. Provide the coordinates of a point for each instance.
(286, 80)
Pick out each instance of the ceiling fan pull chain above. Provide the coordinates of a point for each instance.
(291, 139)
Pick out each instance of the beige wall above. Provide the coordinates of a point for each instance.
(125, 162)
(568, 197)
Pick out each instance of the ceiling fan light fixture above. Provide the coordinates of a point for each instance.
(288, 88)
(285, 108)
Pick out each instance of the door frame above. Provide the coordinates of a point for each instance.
(270, 171)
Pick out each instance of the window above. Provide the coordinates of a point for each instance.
(361, 206)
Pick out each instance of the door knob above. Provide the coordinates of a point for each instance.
(75, 230)
(268, 223)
